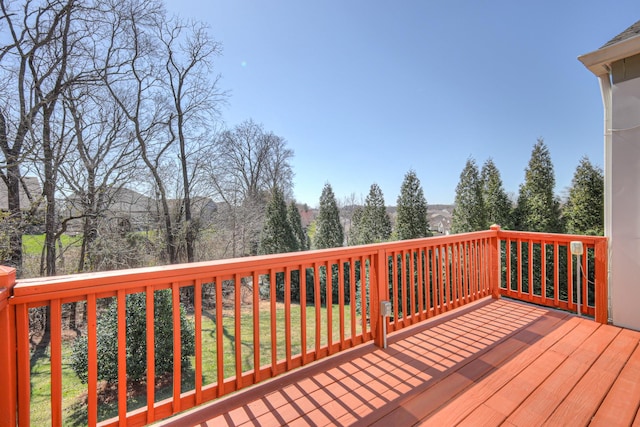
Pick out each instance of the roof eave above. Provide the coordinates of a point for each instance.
(599, 61)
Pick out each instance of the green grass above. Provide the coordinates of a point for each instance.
(74, 392)
(32, 244)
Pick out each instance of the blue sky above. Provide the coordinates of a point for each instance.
(364, 91)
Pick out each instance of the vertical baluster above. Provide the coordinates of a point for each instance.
(530, 270)
(256, 328)
(462, 295)
(122, 355)
(441, 285)
(177, 347)
(543, 271)
(237, 286)
(556, 273)
(447, 276)
(508, 260)
(341, 301)
(197, 314)
(287, 315)
(455, 278)
(363, 292)
(24, 367)
(55, 333)
(329, 286)
(412, 283)
(352, 297)
(394, 286)
(317, 302)
(92, 361)
(219, 337)
(303, 312)
(272, 307)
(151, 357)
(519, 248)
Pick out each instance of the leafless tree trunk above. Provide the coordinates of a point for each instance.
(35, 80)
(189, 52)
(136, 88)
(101, 164)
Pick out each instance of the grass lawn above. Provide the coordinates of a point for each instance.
(32, 244)
(74, 392)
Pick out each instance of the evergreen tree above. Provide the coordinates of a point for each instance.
(329, 232)
(497, 205)
(373, 223)
(136, 344)
(412, 222)
(355, 232)
(277, 234)
(584, 211)
(469, 210)
(295, 221)
(538, 209)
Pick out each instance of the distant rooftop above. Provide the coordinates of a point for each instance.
(630, 32)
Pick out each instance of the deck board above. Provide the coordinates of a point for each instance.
(458, 409)
(536, 408)
(523, 382)
(622, 401)
(498, 362)
(580, 405)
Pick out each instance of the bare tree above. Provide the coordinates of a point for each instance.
(102, 163)
(347, 209)
(189, 53)
(136, 86)
(34, 62)
(246, 164)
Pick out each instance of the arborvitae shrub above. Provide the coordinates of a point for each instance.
(136, 353)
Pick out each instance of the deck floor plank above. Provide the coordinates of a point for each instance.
(623, 399)
(582, 402)
(498, 362)
(459, 408)
(416, 408)
(525, 375)
(547, 396)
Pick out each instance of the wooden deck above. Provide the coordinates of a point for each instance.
(497, 362)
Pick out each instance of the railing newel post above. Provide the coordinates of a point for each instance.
(602, 282)
(8, 348)
(378, 284)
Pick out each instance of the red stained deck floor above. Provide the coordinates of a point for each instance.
(498, 362)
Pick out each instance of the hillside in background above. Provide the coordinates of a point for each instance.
(439, 217)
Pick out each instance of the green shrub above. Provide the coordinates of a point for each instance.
(136, 352)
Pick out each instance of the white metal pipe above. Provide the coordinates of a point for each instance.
(384, 332)
(605, 90)
(578, 284)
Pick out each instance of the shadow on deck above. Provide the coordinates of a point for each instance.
(497, 361)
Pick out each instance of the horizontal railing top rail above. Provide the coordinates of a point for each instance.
(541, 236)
(44, 288)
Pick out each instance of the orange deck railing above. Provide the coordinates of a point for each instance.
(539, 268)
(300, 307)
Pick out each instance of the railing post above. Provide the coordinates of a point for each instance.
(8, 404)
(378, 292)
(602, 282)
(494, 273)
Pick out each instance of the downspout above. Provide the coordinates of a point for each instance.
(605, 89)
